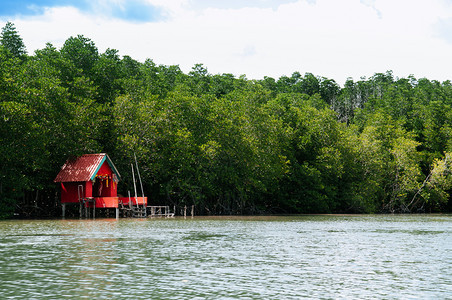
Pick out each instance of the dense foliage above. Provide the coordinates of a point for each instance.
(298, 144)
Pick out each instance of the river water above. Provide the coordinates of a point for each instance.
(313, 257)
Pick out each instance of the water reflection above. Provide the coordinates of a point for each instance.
(323, 257)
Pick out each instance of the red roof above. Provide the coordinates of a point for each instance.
(83, 168)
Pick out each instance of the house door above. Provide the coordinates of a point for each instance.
(99, 188)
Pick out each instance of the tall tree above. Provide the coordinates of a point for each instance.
(82, 52)
(11, 40)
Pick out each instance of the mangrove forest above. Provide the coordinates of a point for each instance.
(227, 145)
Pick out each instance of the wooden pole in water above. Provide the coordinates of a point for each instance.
(134, 185)
(63, 207)
(80, 195)
(130, 205)
(141, 184)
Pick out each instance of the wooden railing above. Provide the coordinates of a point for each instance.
(159, 211)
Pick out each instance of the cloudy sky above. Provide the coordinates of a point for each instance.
(332, 38)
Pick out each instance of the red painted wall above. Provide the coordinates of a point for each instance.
(125, 200)
(69, 191)
(88, 189)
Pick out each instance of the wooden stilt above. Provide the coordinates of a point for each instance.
(63, 207)
(81, 194)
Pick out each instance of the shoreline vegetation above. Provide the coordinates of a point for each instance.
(300, 144)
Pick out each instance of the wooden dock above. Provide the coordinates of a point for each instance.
(125, 207)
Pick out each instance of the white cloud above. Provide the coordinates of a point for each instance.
(331, 38)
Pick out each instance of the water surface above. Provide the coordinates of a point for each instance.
(322, 257)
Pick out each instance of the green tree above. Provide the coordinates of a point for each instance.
(11, 41)
(222, 84)
(82, 52)
(390, 162)
(107, 75)
(314, 152)
(199, 80)
(435, 190)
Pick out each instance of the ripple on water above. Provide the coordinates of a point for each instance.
(363, 257)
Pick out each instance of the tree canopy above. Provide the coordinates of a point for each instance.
(228, 145)
(11, 41)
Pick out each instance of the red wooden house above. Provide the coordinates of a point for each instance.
(92, 179)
